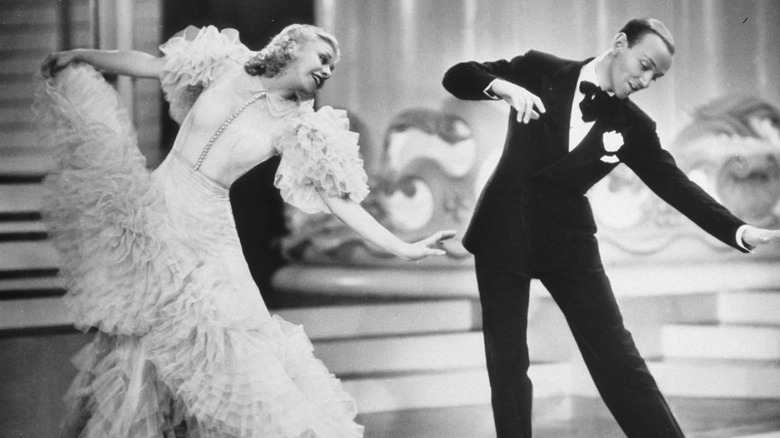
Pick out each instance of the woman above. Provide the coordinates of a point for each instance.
(152, 259)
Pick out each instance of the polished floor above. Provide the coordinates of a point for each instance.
(699, 418)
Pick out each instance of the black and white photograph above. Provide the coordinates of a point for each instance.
(389, 219)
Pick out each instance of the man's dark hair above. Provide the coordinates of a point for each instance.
(637, 28)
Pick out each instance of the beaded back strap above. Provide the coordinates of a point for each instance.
(221, 129)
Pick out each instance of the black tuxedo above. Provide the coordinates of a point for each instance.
(536, 193)
(533, 220)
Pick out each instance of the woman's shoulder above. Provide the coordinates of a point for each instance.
(200, 48)
(203, 37)
(195, 59)
(230, 75)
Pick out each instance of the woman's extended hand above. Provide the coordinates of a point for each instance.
(56, 61)
(355, 217)
(430, 246)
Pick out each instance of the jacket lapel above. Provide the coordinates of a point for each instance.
(591, 148)
(557, 95)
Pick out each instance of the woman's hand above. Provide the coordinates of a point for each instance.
(355, 217)
(754, 237)
(430, 246)
(56, 61)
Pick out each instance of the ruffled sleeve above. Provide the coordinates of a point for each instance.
(319, 152)
(193, 57)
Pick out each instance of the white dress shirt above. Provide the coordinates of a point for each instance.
(579, 128)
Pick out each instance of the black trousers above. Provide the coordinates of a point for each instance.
(586, 299)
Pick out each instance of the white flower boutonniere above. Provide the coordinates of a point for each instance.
(613, 141)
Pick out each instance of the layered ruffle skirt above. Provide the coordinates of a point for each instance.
(151, 260)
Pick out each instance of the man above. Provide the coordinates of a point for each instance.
(533, 219)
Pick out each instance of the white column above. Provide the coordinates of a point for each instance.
(124, 41)
(115, 32)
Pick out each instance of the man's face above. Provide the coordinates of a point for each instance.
(635, 68)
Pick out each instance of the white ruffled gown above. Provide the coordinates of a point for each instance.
(152, 260)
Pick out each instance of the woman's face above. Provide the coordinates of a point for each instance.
(312, 64)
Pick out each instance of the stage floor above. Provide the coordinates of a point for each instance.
(699, 418)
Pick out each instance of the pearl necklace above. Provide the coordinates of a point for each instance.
(221, 129)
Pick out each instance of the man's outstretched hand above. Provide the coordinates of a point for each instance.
(754, 237)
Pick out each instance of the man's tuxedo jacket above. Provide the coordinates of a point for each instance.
(533, 215)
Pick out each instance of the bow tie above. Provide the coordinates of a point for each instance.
(595, 102)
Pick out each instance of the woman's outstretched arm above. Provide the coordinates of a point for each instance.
(122, 62)
(355, 217)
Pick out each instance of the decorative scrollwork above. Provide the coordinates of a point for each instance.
(731, 148)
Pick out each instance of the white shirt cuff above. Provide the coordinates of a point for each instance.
(490, 93)
(740, 242)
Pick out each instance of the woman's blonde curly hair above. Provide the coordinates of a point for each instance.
(278, 54)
